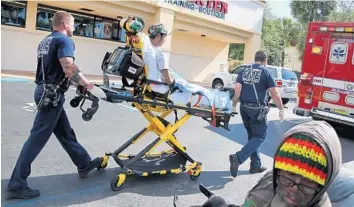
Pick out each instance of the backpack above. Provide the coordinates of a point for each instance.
(124, 62)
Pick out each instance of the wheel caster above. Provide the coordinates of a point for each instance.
(75, 102)
(104, 163)
(195, 172)
(194, 177)
(117, 182)
(86, 117)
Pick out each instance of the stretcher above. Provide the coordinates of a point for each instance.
(154, 109)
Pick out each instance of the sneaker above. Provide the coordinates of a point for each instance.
(95, 163)
(22, 193)
(257, 170)
(234, 164)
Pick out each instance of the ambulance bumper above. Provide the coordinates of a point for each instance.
(330, 116)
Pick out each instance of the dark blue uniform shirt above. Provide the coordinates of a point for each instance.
(54, 46)
(263, 80)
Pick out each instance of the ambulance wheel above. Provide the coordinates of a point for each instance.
(75, 102)
(86, 117)
(117, 182)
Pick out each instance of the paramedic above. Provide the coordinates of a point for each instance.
(256, 130)
(57, 51)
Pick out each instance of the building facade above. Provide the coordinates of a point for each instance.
(198, 44)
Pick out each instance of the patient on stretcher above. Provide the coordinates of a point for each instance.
(147, 60)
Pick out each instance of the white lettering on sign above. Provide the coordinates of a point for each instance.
(215, 8)
(339, 53)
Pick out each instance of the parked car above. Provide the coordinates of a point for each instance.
(285, 79)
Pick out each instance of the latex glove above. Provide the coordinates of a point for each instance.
(281, 114)
(233, 110)
(98, 92)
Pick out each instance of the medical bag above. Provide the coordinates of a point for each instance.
(125, 62)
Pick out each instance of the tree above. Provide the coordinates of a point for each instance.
(344, 13)
(236, 51)
(277, 34)
(310, 11)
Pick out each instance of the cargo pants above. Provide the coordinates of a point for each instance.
(256, 132)
(47, 121)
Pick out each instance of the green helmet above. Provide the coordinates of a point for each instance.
(156, 29)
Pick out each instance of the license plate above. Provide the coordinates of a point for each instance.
(340, 111)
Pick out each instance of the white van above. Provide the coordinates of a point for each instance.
(285, 79)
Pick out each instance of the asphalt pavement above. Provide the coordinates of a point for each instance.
(54, 174)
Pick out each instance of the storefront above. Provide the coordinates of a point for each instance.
(201, 31)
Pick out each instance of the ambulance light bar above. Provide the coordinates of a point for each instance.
(334, 29)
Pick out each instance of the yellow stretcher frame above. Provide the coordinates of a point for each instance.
(158, 125)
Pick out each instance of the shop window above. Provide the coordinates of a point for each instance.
(13, 13)
(85, 25)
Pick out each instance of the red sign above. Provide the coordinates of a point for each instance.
(215, 5)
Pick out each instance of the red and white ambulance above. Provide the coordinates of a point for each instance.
(326, 85)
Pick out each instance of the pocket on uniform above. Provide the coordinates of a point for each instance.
(38, 92)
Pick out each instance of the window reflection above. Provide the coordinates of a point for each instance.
(13, 13)
(85, 25)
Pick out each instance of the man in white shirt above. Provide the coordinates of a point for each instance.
(156, 59)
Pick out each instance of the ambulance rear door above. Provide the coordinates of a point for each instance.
(337, 83)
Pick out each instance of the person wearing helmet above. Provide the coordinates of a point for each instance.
(157, 60)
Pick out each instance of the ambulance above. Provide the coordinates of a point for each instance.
(326, 85)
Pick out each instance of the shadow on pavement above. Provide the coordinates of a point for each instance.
(69, 189)
(276, 129)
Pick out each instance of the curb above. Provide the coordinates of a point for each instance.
(97, 79)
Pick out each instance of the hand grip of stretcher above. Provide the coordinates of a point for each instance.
(83, 96)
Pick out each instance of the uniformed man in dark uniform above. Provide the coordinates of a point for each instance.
(253, 99)
(55, 65)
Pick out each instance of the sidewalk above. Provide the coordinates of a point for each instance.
(30, 75)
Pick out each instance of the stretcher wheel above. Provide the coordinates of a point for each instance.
(75, 102)
(195, 172)
(104, 163)
(86, 117)
(117, 182)
(194, 177)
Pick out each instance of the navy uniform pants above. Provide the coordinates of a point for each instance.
(256, 131)
(46, 122)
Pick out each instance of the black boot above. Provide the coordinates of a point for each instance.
(95, 163)
(257, 170)
(234, 164)
(22, 193)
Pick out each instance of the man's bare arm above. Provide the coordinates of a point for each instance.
(73, 72)
(276, 97)
(166, 74)
(238, 88)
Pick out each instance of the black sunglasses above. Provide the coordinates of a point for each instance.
(303, 188)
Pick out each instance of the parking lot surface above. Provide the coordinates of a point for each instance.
(54, 174)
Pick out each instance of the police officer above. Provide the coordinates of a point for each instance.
(55, 65)
(250, 109)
